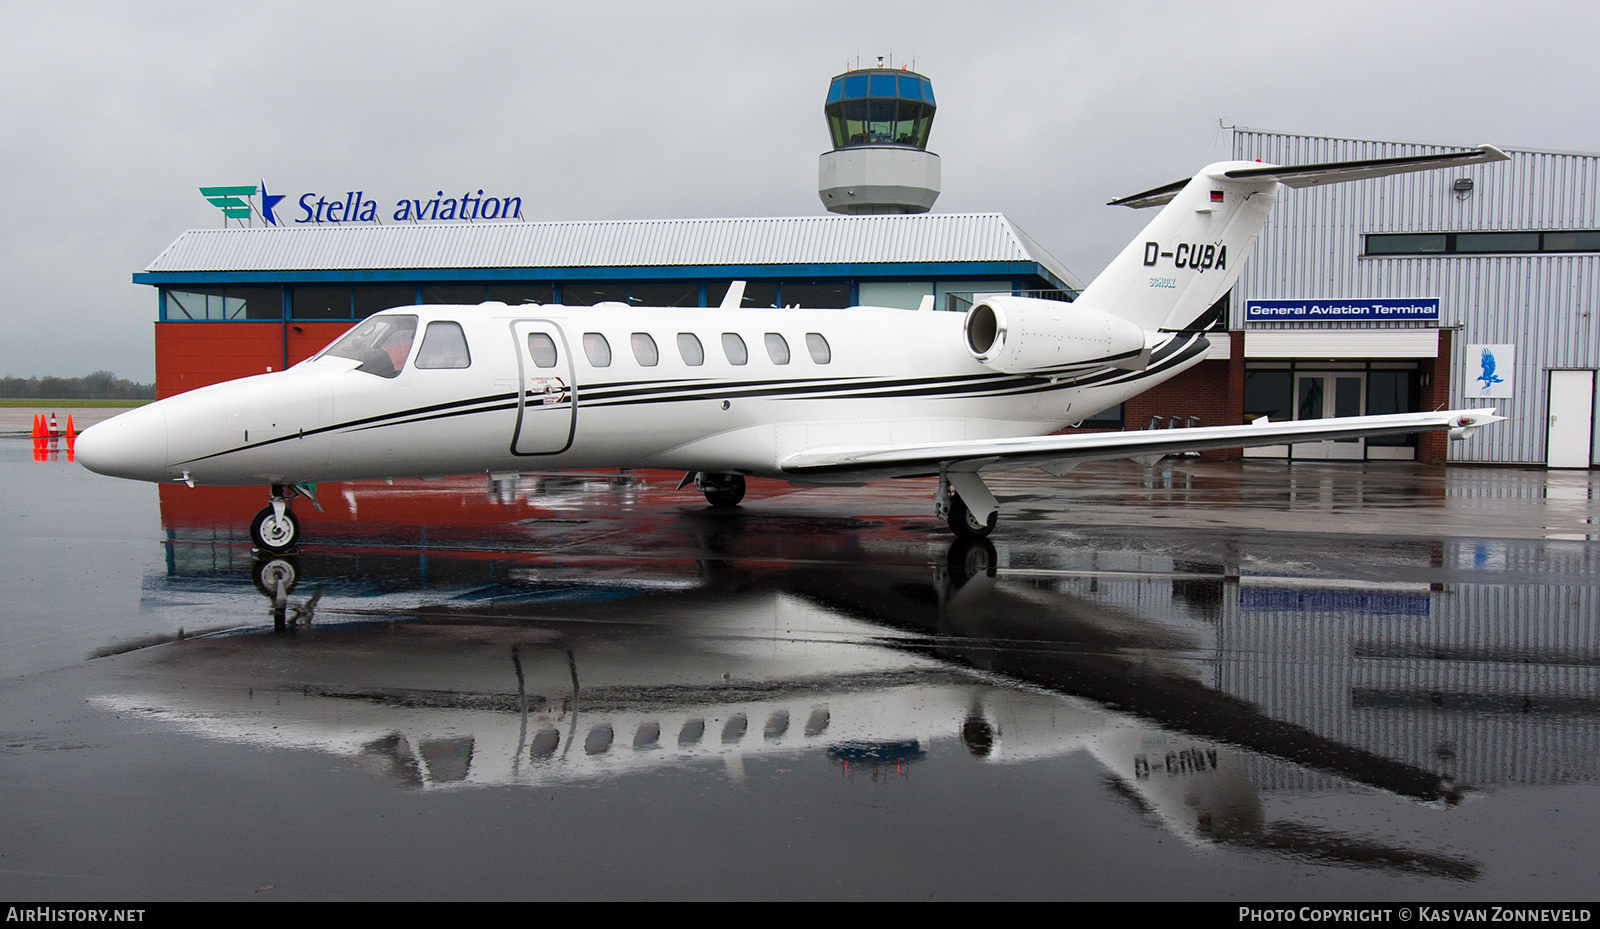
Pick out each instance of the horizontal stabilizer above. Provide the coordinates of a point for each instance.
(876, 462)
(1331, 172)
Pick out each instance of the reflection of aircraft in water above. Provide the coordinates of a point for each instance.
(872, 665)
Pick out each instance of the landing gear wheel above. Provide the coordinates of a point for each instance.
(727, 491)
(271, 573)
(964, 524)
(969, 558)
(274, 534)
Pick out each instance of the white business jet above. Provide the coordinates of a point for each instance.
(804, 396)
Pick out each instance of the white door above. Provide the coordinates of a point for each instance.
(547, 406)
(1570, 433)
(1325, 394)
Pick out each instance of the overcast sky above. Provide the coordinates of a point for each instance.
(114, 113)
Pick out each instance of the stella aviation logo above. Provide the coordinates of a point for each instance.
(239, 203)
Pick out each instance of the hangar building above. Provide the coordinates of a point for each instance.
(244, 300)
(1385, 295)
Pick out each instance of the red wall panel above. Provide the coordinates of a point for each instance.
(190, 355)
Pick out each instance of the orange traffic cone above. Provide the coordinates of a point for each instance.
(70, 433)
(38, 426)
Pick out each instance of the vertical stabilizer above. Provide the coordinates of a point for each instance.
(1190, 254)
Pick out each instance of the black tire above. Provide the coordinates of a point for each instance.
(969, 558)
(728, 491)
(964, 524)
(268, 573)
(272, 535)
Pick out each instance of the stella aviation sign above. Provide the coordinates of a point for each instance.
(238, 202)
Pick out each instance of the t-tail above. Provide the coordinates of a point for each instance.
(1191, 253)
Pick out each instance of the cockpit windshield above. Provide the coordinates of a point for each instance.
(381, 344)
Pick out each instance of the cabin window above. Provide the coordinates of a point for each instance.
(733, 347)
(599, 739)
(690, 348)
(598, 349)
(381, 344)
(444, 345)
(644, 349)
(818, 347)
(648, 735)
(777, 348)
(543, 349)
(544, 744)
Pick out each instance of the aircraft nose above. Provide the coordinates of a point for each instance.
(131, 445)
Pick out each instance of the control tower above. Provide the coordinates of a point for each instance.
(879, 119)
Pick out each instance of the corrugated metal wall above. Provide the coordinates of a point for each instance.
(1496, 684)
(932, 237)
(1545, 305)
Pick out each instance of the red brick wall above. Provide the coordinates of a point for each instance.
(1435, 446)
(306, 339)
(190, 355)
(1202, 391)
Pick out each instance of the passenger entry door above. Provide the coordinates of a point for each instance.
(547, 407)
(1324, 395)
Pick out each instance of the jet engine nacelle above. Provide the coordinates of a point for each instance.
(1025, 335)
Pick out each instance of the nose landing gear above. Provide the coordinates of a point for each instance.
(276, 529)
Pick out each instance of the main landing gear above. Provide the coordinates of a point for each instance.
(965, 504)
(721, 490)
(276, 529)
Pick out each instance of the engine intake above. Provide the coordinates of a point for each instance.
(1025, 335)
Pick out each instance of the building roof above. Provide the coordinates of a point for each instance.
(950, 239)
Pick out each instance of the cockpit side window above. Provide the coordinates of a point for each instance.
(381, 344)
(444, 345)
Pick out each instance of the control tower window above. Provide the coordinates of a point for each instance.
(880, 108)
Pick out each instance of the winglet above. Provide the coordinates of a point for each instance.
(734, 296)
(1467, 423)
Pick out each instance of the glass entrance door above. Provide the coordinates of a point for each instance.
(1324, 394)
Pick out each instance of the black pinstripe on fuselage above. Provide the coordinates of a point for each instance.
(1176, 351)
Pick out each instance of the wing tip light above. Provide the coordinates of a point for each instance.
(1464, 424)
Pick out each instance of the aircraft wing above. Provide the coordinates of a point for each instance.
(878, 462)
(1328, 173)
